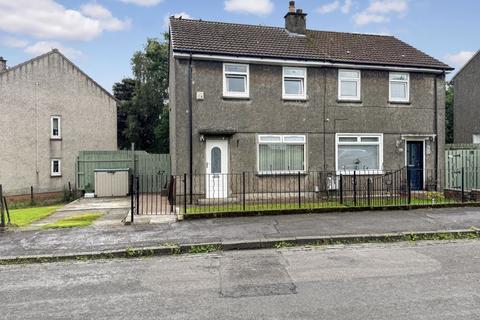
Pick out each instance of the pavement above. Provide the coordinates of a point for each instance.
(242, 230)
(422, 280)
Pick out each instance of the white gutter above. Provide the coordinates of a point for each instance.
(305, 63)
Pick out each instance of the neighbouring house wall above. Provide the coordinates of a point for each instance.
(266, 112)
(29, 96)
(466, 111)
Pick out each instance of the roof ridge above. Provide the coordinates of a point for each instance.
(68, 60)
(278, 28)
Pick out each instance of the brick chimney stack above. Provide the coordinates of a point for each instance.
(295, 20)
(3, 64)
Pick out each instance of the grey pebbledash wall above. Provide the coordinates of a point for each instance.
(466, 111)
(320, 117)
(29, 95)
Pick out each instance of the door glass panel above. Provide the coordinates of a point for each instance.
(216, 155)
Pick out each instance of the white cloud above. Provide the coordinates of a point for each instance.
(166, 19)
(13, 42)
(329, 7)
(143, 3)
(364, 18)
(388, 6)
(105, 17)
(95, 10)
(346, 6)
(458, 59)
(379, 11)
(256, 7)
(47, 19)
(42, 47)
(335, 6)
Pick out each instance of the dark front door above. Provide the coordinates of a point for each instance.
(415, 164)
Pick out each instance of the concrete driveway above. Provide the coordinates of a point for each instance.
(113, 210)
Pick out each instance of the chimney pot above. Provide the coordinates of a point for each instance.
(3, 64)
(291, 7)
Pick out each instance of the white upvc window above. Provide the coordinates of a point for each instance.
(362, 153)
(294, 84)
(281, 154)
(349, 84)
(55, 127)
(56, 168)
(399, 87)
(236, 81)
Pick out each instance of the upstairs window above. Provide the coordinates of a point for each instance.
(399, 89)
(56, 168)
(281, 153)
(235, 80)
(56, 127)
(349, 85)
(294, 83)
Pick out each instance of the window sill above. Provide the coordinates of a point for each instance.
(349, 101)
(55, 175)
(359, 172)
(281, 173)
(55, 138)
(300, 100)
(399, 102)
(225, 97)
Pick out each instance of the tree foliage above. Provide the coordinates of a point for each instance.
(143, 112)
(449, 115)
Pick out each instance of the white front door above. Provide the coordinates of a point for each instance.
(217, 168)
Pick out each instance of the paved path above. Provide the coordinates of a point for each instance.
(113, 210)
(111, 237)
(428, 281)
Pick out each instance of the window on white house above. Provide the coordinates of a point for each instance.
(399, 87)
(360, 153)
(56, 168)
(235, 80)
(281, 153)
(349, 84)
(56, 127)
(294, 83)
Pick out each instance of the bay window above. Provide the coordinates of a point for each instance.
(360, 153)
(399, 87)
(349, 85)
(281, 153)
(235, 80)
(294, 83)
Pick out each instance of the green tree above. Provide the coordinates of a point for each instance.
(449, 114)
(143, 114)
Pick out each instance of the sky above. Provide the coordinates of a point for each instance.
(100, 36)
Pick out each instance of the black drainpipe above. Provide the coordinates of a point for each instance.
(190, 128)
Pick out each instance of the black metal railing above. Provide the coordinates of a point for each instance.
(251, 191)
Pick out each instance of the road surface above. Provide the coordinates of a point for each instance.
(424, 280)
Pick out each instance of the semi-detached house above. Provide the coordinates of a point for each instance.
(275, 101)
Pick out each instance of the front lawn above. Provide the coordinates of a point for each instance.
(78, 221)
(24, 217)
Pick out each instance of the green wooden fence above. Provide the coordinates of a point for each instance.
(466, 157)
(139, 163)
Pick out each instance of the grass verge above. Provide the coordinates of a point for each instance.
(78, 221)
(26, 216)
